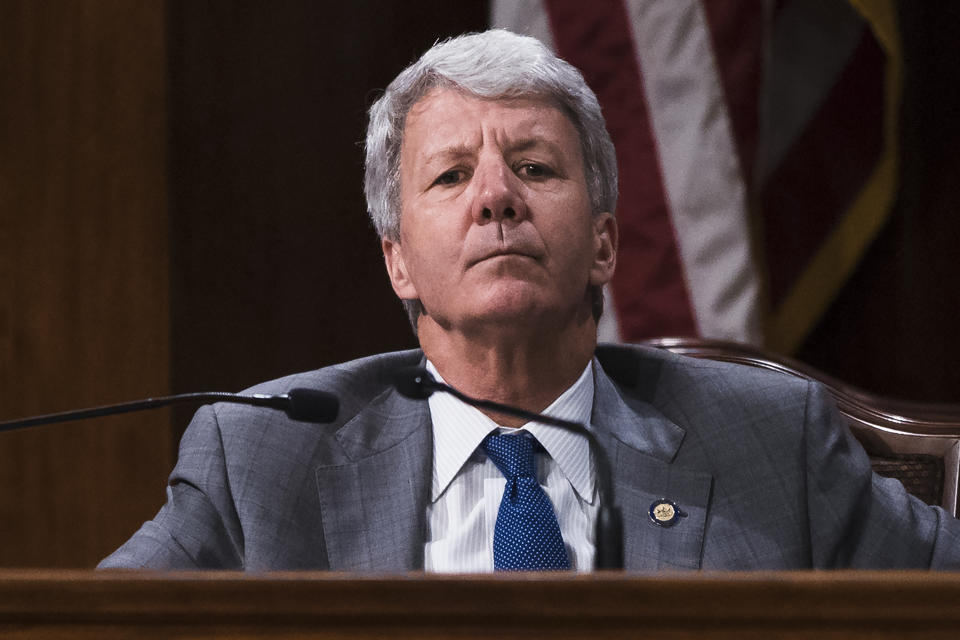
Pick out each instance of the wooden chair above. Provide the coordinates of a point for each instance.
(917, 443)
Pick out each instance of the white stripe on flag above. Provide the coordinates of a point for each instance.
(701, 169)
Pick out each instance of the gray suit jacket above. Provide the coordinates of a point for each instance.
(761, 464)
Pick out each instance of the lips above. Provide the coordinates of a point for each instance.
(520, 251)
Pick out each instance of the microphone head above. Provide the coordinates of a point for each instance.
(311, 405)
(415, 383)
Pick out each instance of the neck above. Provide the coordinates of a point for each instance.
(528, 370)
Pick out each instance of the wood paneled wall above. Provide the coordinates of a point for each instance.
(84, 262)
(181, 209)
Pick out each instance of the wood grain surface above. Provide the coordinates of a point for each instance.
(310, 605)
(84, 295)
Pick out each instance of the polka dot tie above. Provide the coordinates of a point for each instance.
(526, 536)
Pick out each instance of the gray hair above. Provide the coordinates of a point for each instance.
(494, 64)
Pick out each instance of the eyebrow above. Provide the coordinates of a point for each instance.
(458, 151)
(448, 153)
(525, 144)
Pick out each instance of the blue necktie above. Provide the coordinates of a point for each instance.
(527, 535)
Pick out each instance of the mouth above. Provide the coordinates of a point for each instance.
(505, 252)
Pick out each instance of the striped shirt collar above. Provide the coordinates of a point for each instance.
(458, 429)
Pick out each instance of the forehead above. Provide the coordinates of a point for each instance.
(445, 118)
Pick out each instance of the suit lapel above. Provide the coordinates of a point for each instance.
(374, 503)
(642, 445)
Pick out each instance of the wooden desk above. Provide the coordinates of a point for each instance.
(88, 605)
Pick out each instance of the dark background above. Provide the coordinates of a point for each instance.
(181, 209)
(894, 327)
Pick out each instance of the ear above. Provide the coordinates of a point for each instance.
(397, 270)
(605, 238)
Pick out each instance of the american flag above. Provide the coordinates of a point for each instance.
(757, 142)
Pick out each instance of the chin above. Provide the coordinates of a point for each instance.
(506, 304)
(512, 301)
(521, 314)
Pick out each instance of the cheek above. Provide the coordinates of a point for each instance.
(431, 259)
(571, 238)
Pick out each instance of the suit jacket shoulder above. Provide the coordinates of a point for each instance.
(790, 486)
(251, 490)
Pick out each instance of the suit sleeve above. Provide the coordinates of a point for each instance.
(859, 519)
(198, 527)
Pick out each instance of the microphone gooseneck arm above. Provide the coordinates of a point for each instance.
(306, 405)
(418, 384)
(530, 416)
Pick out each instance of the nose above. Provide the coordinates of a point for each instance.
(498, 197)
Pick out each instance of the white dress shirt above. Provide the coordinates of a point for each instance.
(467, 486)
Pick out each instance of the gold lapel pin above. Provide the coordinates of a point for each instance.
(664, 513)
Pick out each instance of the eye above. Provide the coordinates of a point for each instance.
(534, 170)
(449, 178)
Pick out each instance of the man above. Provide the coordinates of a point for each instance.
(492, 183)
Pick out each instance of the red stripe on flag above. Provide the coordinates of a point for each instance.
(737, 32)
(825, 168)
(649, 289)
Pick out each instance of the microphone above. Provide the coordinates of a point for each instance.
(303, 405)
(416, 383)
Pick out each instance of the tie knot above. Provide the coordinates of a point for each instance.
(512, 453)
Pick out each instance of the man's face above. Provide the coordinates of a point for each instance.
(496, 227)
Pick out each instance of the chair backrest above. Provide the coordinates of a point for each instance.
(917, 443)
